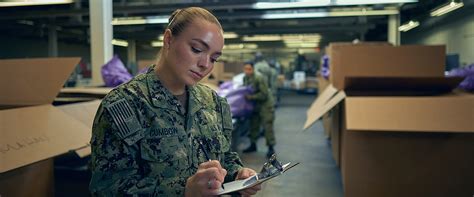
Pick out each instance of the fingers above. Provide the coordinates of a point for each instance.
(208, 164)
(245, 173)
(213, 169)
(251, 191)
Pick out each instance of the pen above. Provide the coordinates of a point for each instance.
(201, 145)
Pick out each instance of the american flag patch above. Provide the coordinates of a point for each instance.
(124, 118)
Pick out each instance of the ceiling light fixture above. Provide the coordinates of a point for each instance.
(323, 3)
(446, 8)
(13, 3)
(300, 4)
(408, 26)
(118, 42)
(157, 43)
(261, 38)
(240, 46)
(140, 20)
(371, 2)
(362, 12)
(230, 35)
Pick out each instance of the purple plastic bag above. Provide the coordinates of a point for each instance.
(114, 72)
(239, 106)
(467, 72)
(325, 67)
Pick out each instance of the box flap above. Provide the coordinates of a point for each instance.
(85, 113)
(32, 134)
(384, 61)
(448, 113)
(329, 98)
(33, 81)
(401, 85)
(96, 91)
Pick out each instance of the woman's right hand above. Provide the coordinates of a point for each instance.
(207, 180)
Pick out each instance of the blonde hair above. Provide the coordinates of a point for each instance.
(181, 18)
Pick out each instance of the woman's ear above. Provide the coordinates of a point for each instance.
(167, 37)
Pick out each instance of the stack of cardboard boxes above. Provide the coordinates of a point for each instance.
(32, 130)
(396, 129)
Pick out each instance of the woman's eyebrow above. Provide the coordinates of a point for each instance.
(206, 45)
(202, 42)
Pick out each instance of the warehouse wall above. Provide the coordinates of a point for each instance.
(13, 47)
(458, 35)
(32, 48)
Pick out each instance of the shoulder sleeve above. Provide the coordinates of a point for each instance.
(232, 162)
(114, 164)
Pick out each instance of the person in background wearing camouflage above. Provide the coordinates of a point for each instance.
(153, 136)
(263, 112)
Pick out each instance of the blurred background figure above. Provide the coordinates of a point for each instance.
(264, 111)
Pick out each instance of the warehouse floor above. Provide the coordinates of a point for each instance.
(317, 173)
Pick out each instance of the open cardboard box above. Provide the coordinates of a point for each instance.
(401, 145)
(383, 60)
(32, 130)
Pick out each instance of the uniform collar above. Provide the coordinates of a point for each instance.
(162, 97)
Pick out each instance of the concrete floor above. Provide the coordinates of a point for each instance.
(317, 173)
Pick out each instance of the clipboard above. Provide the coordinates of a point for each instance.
(253, 180)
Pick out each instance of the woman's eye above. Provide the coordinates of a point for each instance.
(195, 50)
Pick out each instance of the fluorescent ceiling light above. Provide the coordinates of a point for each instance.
(408, 26)
(294, 15)
(371, 2)
(229, 35)
(300, 4)
(262, 38)
(118, 42)
(240, 46)
(302, 45)
(323, 3)
(157, 43)
(446, 8)
(300, 41)
(10, 3)
(362, 12)
(26, 22)
(140, 20)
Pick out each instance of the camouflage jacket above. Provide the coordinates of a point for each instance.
(144, 144)
(262, 96)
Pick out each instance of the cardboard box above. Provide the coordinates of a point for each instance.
(402, 145)
(142, 64)
(32, 129)
(234, 67)
(215, 77)
(322, 83)
(311, 83)
(85, 113)
(379, 60)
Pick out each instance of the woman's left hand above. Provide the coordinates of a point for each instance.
(243, 174)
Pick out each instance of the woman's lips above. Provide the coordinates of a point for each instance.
(196, 75)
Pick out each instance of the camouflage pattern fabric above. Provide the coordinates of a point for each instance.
(263, 114)
(145, 144)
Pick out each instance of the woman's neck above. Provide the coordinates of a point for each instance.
(169, 80)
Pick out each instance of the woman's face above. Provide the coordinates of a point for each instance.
(192, 54)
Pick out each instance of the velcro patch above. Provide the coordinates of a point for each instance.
(226, 114)
(124, 118)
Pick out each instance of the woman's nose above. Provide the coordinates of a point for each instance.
(204, 61)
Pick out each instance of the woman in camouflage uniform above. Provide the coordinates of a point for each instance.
(151, 135)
